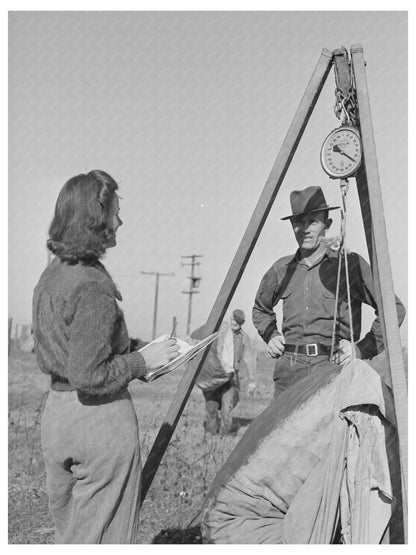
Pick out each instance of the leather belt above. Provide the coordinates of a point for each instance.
(310, 349)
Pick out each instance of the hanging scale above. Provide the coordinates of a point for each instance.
(341, 152)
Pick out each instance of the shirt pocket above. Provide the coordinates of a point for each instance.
(285, 295)
(289, 309)
(328, 302)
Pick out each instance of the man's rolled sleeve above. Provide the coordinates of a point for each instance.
(264, 318)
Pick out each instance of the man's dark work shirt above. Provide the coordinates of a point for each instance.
(308, 296)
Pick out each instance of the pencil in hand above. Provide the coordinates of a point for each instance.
(174, 325)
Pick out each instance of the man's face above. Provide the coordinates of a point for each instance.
(309, 228)
(235, 325)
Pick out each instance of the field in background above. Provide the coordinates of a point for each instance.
(183, 478)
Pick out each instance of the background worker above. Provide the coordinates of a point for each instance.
(230, 364)
(306, 283)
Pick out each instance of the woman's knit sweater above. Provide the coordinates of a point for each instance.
(80, 333)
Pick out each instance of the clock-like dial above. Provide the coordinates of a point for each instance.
(341, 152)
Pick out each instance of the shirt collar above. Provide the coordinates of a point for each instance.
(296, 258)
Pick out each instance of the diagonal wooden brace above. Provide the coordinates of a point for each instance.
(240, 260)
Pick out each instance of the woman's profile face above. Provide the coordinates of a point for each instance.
(114, 222)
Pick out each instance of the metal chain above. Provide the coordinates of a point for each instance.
(346, 106)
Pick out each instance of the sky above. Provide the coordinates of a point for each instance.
(187, 111)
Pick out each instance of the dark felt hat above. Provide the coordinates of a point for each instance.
(239, 316)
(307, 200)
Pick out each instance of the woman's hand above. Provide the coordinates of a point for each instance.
(160, 353)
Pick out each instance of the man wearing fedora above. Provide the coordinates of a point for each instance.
(306, 284)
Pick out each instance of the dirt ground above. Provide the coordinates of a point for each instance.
(184, 476)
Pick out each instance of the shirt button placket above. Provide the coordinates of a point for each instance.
(307, 298)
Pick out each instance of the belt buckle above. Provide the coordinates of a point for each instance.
(314, 352)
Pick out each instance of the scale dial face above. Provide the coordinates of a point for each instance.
(341, 152)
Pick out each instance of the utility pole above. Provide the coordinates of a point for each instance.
(10, 332)
(157, 274)
(193, 284)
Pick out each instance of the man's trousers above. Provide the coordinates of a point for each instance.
(220, 401)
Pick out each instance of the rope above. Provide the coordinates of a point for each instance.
(343, 252)
(334, 325)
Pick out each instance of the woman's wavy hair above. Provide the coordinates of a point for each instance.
(80, 227)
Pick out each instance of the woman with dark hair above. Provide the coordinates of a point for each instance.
(90, 435)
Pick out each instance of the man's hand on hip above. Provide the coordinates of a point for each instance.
(344, 352)
(276, 346)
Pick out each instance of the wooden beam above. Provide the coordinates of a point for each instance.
(363, 195)
(239, 262)
(381, 262)
(342, 71)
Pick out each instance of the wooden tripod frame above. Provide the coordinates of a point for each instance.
(368, 183)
